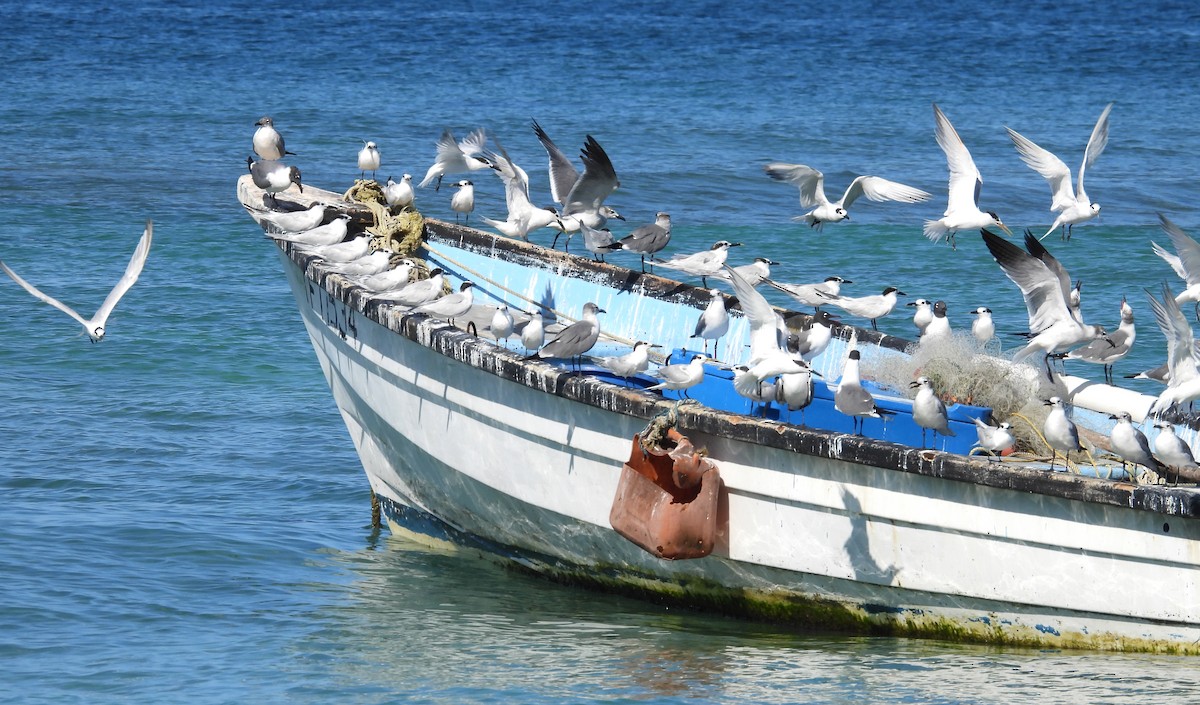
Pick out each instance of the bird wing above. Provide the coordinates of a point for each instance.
(876, 188)
(1095, 146)
(474, 143)
(449, 159)
(1043, 292)
(45, 297)
(1181, 352)
(810, 181)
(1188, 249)
(567, 340)
(964, 176)
(1173, 260)
(764, 336)
(598, 181)
(1064, 280)
(563, 174)
(1052, 169)
(516, 181)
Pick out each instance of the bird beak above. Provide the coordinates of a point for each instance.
(736, 244)
(1047, 403)
(1004, 227)
(914, 385)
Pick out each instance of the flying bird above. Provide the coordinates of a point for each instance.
(812, 192)
(523, 217)
(454, 157)
(962, 205)
(94, 326)
(580, 194)
(1186, 261)
(1183, 375)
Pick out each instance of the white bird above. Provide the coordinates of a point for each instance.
(368, 265)
(767, 358)
(701, 264)
(581, 195)
(272, 176)
(756, 273)
(1059, 431)
(399, 194)
(577, 338)
(389, 279)
(450, 306)
(1175, 453)
(995, 439)
(795, 391)
(812, 192)
(533, 333)
(292, 221)
(1112, 347)
(812, 341)
(962, 205)
(94, 326)
(596, 241)
(1186, 262)
(646, 239)
(629, 364)
(713, 323)
(983, 328)
(347, 251)
(523, 217)
(680, 377)
(368, 159)
(929, 411)
(852, 398)
(922, 315)
(873, 307)
(268, 143)
(463, 200)
(454, 157)
(1128, 442)
(1072, 205)
(328, 234)
(417, 293)
(1183, 375)
(1053, 326)
(939, 325)
(815, 295)
(502, 325)
(753, 388)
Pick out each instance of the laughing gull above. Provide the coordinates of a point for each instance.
(1174, 452)
(852, 398)
(1072, 205)
(268, 143)
(368, 159)
(454, 157)
(399, 194)
(581, 195)
(680, 377)
(701, 264)
(962, 204)
(995, 439)
(815, 295)
(272, 176)
(647, 239)
(713, 323)
(982, 327)
(767, 358)
(94, 327)
(939, 325)
(631, 363)
(929, 411)
(1128, 442)
(812, 192)
(873, 307)
(596, 241)
(463, 200)
(1110, 348)
(576, 339)
(1059, 431)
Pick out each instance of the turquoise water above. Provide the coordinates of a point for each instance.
(184, 517)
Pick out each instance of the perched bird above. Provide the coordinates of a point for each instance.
(343, 251)
(399, 194)
(454, 157)
(812, 192)
(1110, 348)
(872, 307)
(292, 221)
(753, 388)
(328, 234)
(1072, 205)
(812, 341)
(533, 333)
(982, 327)
(576, 339)
(680, 377)
(94, 326)
(450, 306)
(523, 217)
(268, 143)
(596, 241)
(389, 279)
(1160, 374)
(368, 159)
(815, 295)
(929, 411)
(1173, 452)
(962, 205)
(713, 323)
(1059, 431)
(1186, 262)
(647, 239)
(939, 325)
(701, 264)
(1053, 325)
(463, 200)
(767, 357)
(419, 292)
(629, 364)
(368, 265)
(756, 273)
(922, 315)
(795, 391)
(502, 325)
(1183, 375)
(273, 177)
(996, 440)
(580, 195)
(852, 398)
(1128, 442)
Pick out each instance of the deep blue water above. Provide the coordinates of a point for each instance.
(183, 514)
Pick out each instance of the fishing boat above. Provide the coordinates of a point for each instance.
(709, 501)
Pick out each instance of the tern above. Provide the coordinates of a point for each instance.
(996, 440)
(347, 251)
(523, 217)
(757, 272)
(812, 341)
(631, 363)
(873, 307)
(647, 239)
(1186, 261)
(292, 221)
(983, 328)
(812, 192)
(680, 377)
(1072, 205)
(701, 264)
(368, 159)
(94, 327)
(1174, 452)
(463, 200)
(1128, 442)
(268, 143)
(1183, 376)
(1110, 348)
(533, 333)
(390, 279)
(713, 323)
(815, 295)
(454, 157)
(962, 205)
(581, 195)
(365, 266)
(417, 293)
(1059, 431)
(450, 306)
(576, 339)
(767, 358)
(399, 194)
(929, 411)
(328, 234)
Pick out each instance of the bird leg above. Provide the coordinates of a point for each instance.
(555, 243)
(873, 326)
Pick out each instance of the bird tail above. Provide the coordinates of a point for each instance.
(935, 230)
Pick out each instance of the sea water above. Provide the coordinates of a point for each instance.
(183, 517)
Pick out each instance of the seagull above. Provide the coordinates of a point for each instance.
(1183, 383)
(996, 440)
(923, 314)
(417, 293)
(1110, 348)
(680, 377)
(1128, 441)
(595, 240)
(399, 194)
(1071, 205)
(962, 206)
(455, 157)
(272, 176)
(1161, 374)
(365, 266)
(293, 221)
(647, 239)
(1059, 431)
(852, 398)
(390, 279)
(1053, 326)
(795, 391)
(94, 327)
(752, 388)
(1174, 452)
(929, 411)
(812, 341)
(939, 325)
(523, 216)
(701, 264)
(756, 273)
(450, 306)
(368, 159)
(576, 339)
(812, 192)
(533, 334)
(631, 363)
(328, 234)
(1186, 262)
(982, 327)
(347, 251)
(580, 195)
(268, 143)
(502, 325)
(713, 323)
(872, 307)
(767, 358)
(463, 200)
(815, 295)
